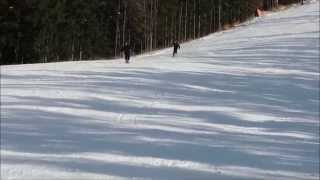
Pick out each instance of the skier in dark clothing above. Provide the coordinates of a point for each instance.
(127, 50)
(176, 46)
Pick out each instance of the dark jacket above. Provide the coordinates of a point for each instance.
(126, 49)
(176, 46)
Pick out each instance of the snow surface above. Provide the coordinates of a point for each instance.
(239, 104)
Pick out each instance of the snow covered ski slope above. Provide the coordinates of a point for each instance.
(239, 104)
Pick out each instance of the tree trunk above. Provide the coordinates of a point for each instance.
(124, 24)
(211, 17)
(186, 21)
(219, 15)
(151, 24)
(180, 22)
(155, 45)
(117, 38)
(194, 19)
(199, 26)
(72, 49)
(199, 20)
(166, 33)
(80, 54)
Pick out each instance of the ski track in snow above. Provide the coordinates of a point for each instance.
(238, 104)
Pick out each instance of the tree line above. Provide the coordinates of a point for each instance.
(41, 31)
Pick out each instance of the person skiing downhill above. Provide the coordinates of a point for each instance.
(127, 50)
(176, 46)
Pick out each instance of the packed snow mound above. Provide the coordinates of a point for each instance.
(239, 104)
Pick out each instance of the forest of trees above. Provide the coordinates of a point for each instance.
(40, 31)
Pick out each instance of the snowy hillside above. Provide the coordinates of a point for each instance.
(240, 104)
